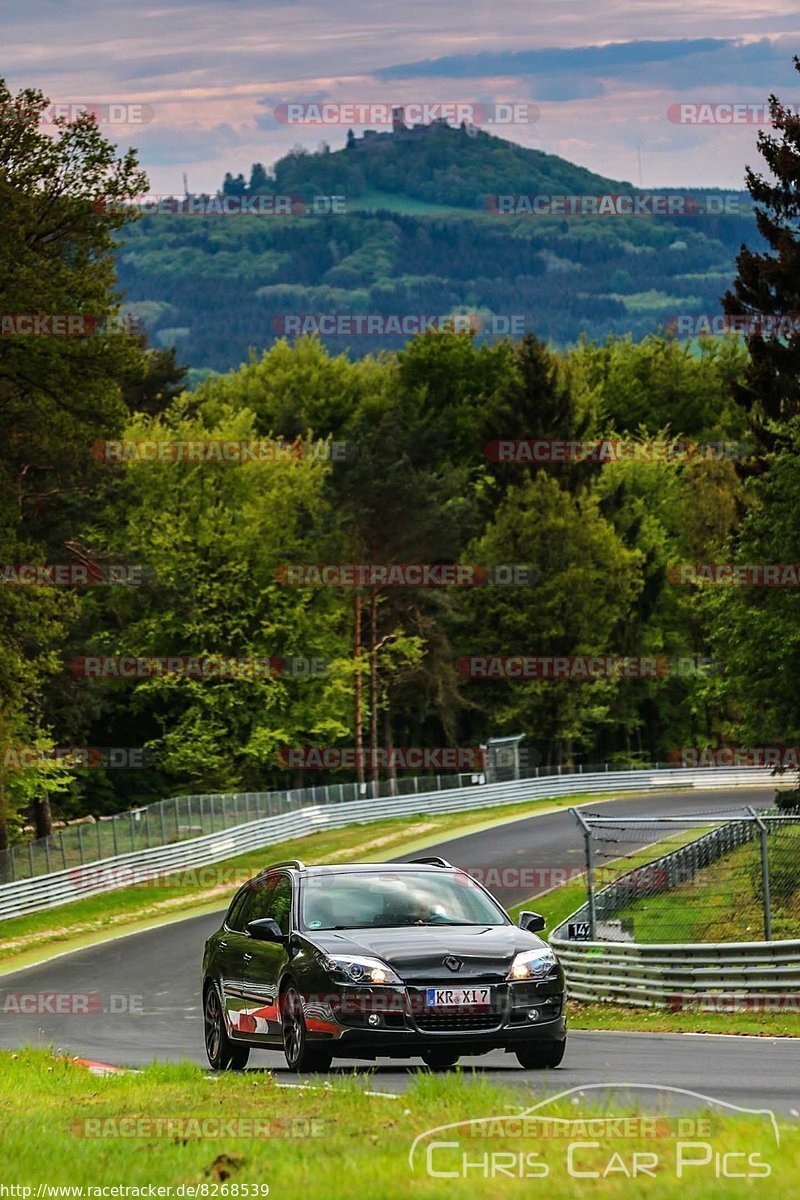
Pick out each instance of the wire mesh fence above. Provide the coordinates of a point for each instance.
(699, 878)
(182, 817)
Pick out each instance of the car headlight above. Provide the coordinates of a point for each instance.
(532, 964)
(360, 970)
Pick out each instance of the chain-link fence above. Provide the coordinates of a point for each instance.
(183, 817)
(700, 878)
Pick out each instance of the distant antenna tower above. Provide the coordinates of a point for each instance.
(185, 184)
(641, 173)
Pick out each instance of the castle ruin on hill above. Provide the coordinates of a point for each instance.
(400, 132)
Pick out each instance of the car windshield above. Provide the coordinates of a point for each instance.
(387, 899)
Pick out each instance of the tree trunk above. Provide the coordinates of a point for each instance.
(373, 688)
(3, 819)
(358, 715)
(42, 817)
(5, 873)
(388, 741)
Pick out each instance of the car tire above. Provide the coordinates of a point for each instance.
(439, 1059)
(223, 1054)
(539, 1055)
(300, 1055)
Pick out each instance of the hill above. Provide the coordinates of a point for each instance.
(435, 163)
(417, 237)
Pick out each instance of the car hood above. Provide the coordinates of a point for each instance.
(418, 952)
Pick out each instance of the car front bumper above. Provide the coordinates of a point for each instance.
(396, 1021)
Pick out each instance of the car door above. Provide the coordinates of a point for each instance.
(264, 961)
(235, 955)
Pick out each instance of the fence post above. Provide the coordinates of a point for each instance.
(587, 837)
(762, 828)
(163, 826)
(80, 843)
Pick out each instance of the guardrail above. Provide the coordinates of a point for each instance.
(60, 887)
(674, 974)
(670, 975)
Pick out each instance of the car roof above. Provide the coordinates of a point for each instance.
(347, 868)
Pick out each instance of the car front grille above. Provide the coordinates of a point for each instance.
(454, 1020)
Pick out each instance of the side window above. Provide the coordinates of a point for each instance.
(260, 896)
(251, 904)
(234, 918)
(281, 903)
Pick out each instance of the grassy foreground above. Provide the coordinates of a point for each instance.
(62, 1127)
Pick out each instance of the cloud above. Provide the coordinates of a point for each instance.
(557, 73)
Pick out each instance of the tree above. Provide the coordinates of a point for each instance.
(587, 583)
(260, 181)
(768, 284)
(60, 203)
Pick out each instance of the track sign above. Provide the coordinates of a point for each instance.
(579, 931)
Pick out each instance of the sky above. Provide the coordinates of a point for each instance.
(604, 81)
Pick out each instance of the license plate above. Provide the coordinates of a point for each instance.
(458, 997)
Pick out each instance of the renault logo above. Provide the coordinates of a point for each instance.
(452, 963)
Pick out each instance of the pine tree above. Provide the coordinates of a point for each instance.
(768, 285)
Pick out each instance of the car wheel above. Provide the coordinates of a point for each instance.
(541, 1054)
(223, 1054)
(439, 1060)
(300, 1056)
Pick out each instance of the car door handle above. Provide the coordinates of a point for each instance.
(247, 957)
(223, 945)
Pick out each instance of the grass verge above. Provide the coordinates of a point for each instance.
(724, 901)
(61, 1128)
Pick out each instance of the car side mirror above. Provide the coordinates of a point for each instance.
(534, 922)
(265, 930)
